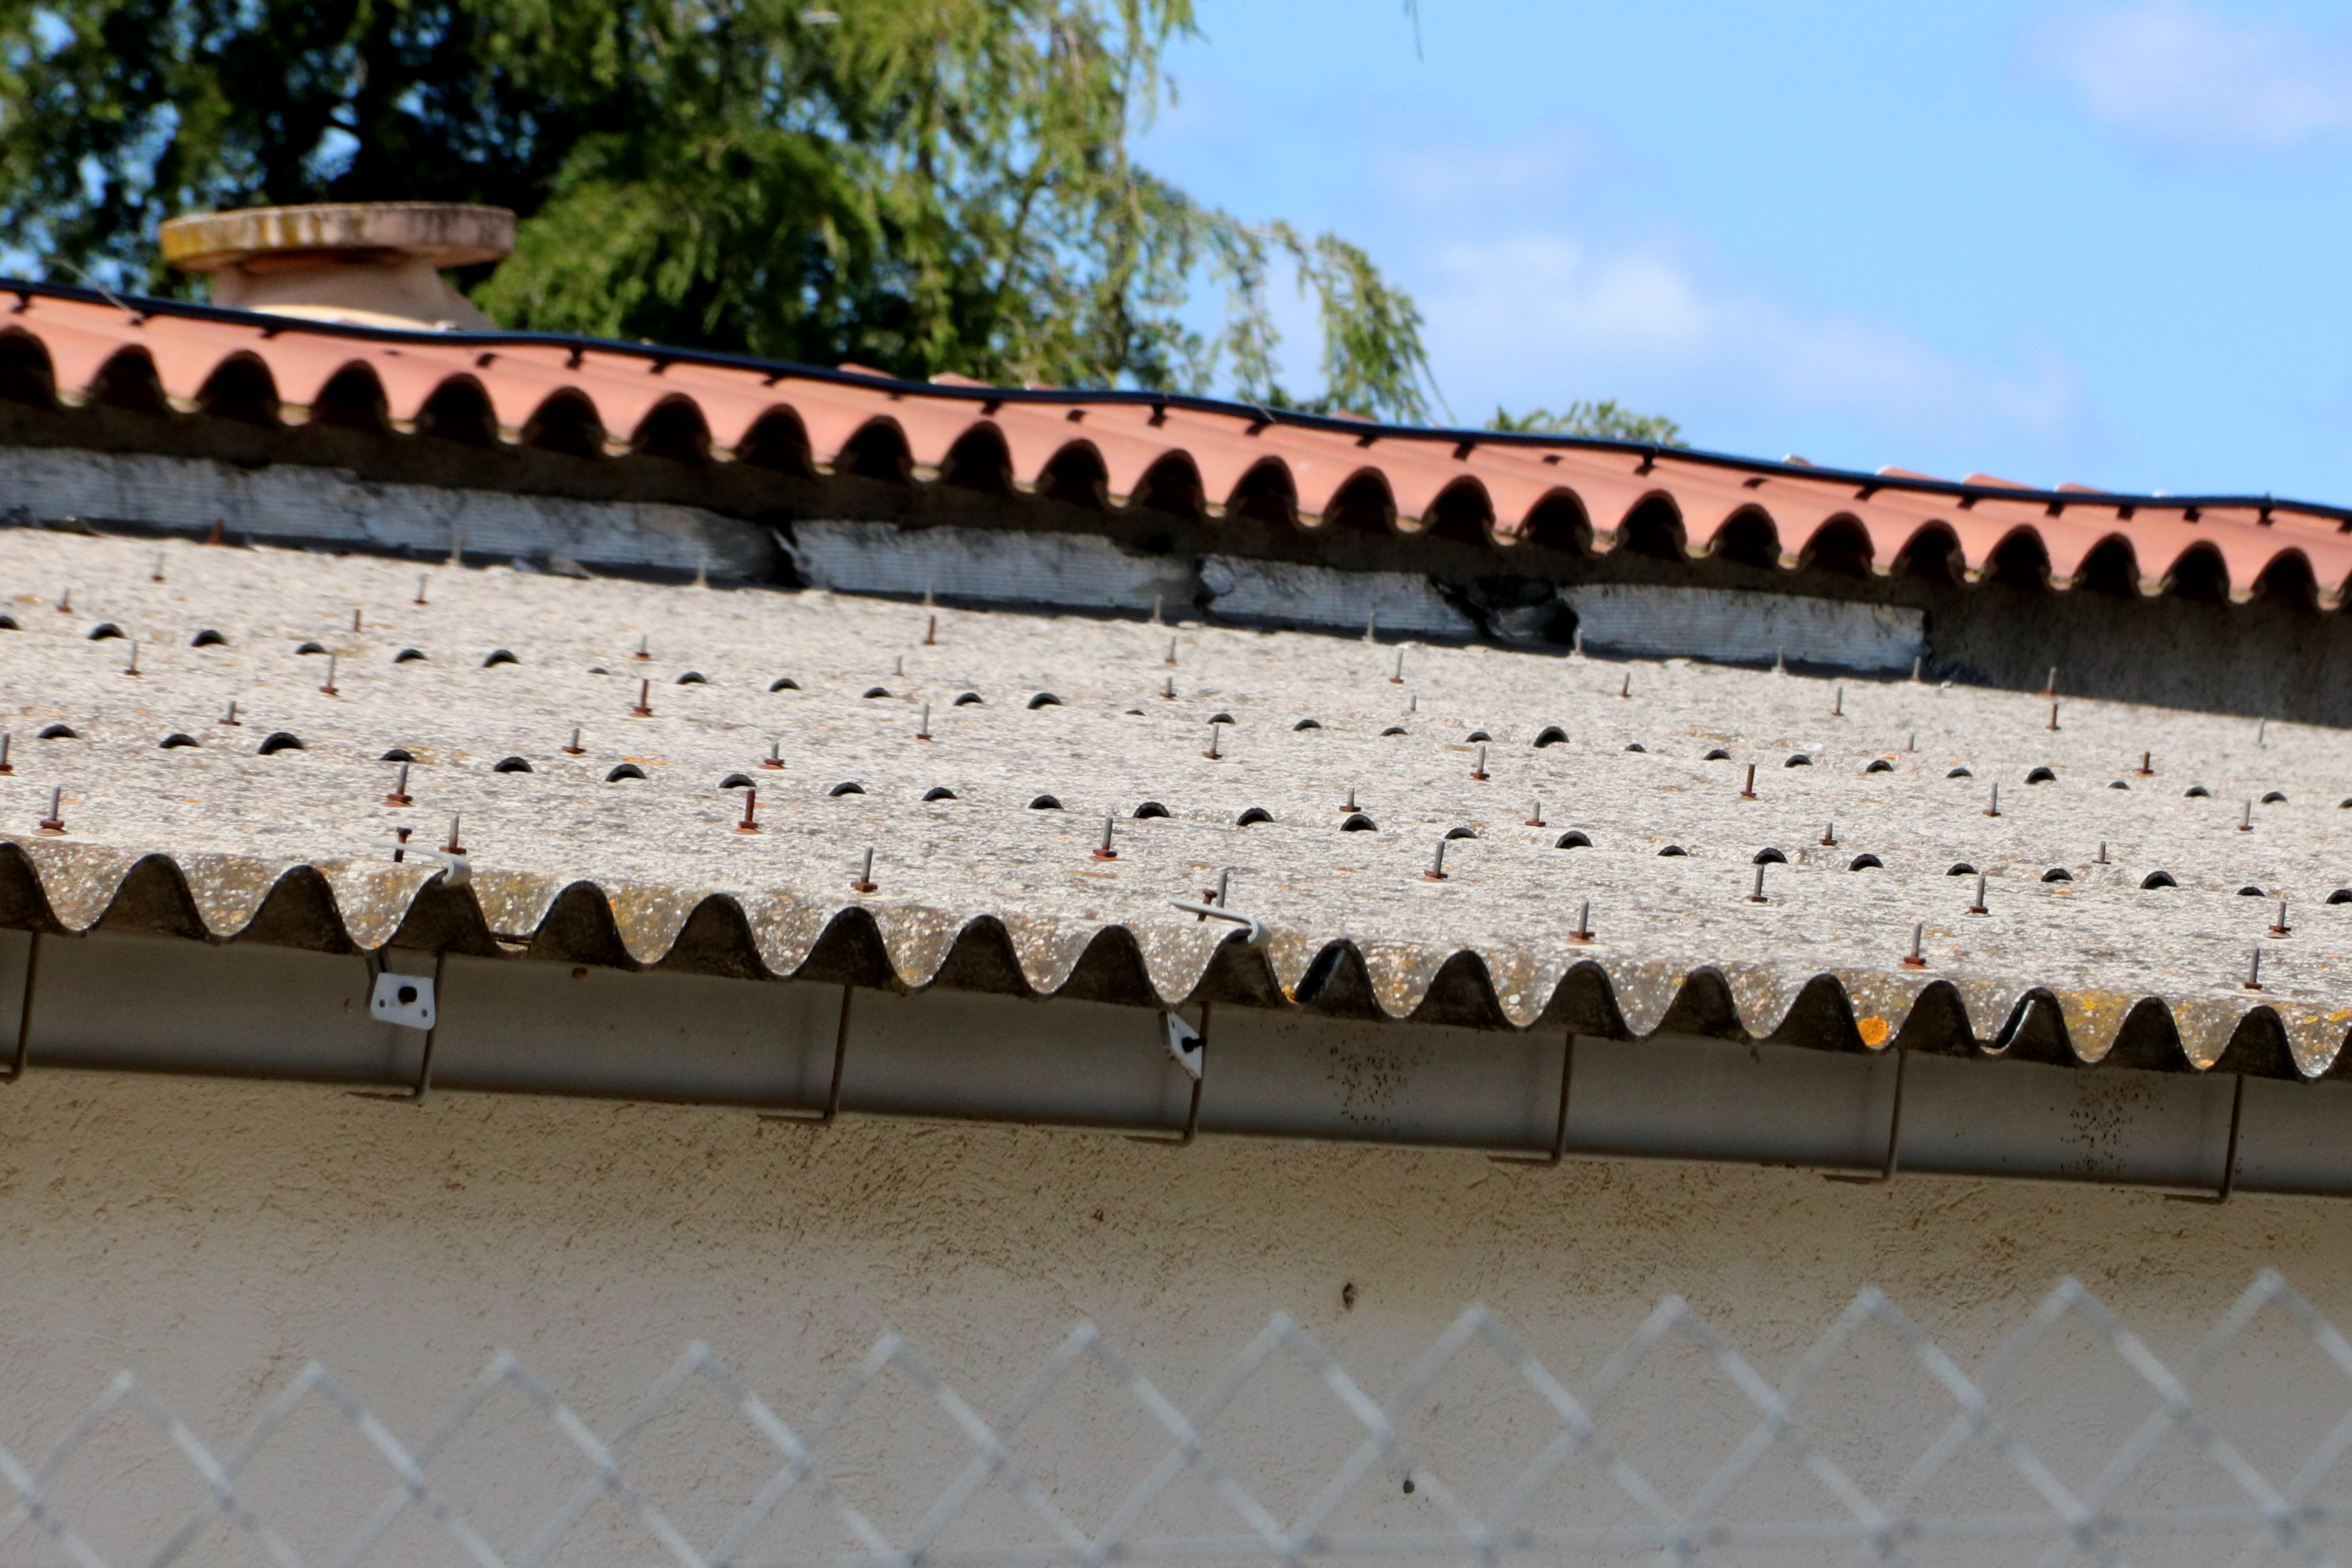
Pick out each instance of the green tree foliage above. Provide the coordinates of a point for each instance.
(920, 185)
(1607, 417)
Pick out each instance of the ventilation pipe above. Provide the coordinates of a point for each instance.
(372, 264)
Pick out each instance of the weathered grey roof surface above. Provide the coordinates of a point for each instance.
(983, 890)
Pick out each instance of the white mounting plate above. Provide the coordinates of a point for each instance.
(402, 999)
(1183, 1043)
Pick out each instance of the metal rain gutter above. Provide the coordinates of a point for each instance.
(806, 1052)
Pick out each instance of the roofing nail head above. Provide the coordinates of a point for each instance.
(1748, 790)
(864, 883)
(453, 846)
(1583, 931)
(643, 710)
(2051, 689)
(774, 759)
(2103, 853)
(1535, 813)
(1992, 808)
(1979, 907)
(157, 575)
(2246, 818)
(55, 822)
(2147, 768)
(751, 804)
(420, 584)
(1213, 753)
(923, 732)
(133, 668)
(1478, 769)
(230, 717)
(2282, 928)
(1172, 650)
(399, 795)
(1104, 851)
(575, 749)
(355, 620)
(1168, 688)
(931, 633)
(1398, 678)
(1829, 835)
(330, 687)
(65, 602)
(2253, 981)
(399, 855)
(643, 650)
(1436, 872)
(1916, 960)
(2054, 715)
(5, 765)
(1626, 690)
(899, 665)
(1839, 711)
(1757, 896)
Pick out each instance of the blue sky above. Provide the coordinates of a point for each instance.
(2108, 243)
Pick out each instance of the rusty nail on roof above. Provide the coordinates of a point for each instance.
(55, 822)
(899, 665)
(5, 765)
(643, 710)
(1436, 872)
(1913, 744)
(1748, 790)
(400, 834)
(1104, 851)
(1535, 813)
(1583, 931)
(1829, 835)
(2246, 819)
(1478, 769)
(399, 795)
(1412, 703)
(1168, 687)
(2254, 970)
(2146, 769)
(751, 804)
(157, 576)
(1916, 960)
(1993, 808)
(453, 846)
(1397, 679)
(212, 534)
(2054, 715)
(575, 748)
(133, 668)
(420, 587)
(1757, 896)
(1839, 711)
(923, 732)
(330, 687)
(1979, 907)
(864, 883)
(931, 633)
(2051, 689)
(1172, 650)
(1224, 885)
(230, 717)
(355, 620)
(65, 601)
(1211, 752)
(774, 759)
(2282, 928)
(2103, 853)
(1627, 690)
(642, 652)
(1351, 799)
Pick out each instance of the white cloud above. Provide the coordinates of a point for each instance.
(2168, 72)
(1541, 318)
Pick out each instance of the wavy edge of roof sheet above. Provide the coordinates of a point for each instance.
(349, 907)
(1573, 493)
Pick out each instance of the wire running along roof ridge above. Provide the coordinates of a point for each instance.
(1234, 450)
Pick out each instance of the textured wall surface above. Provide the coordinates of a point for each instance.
(216, 1237)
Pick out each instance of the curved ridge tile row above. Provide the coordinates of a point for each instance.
(1578, 496)
(80, 888)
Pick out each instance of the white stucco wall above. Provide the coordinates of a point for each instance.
(213, 1237)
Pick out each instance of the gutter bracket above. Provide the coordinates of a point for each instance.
(24, 1017)
(832, 1091)
(1559, 1134)
(1198, 1069)
(2229, 1160)
(415, 1094)
(1894, 1137)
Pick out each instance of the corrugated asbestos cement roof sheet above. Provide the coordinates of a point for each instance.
(1572, 495)
(1617, 784)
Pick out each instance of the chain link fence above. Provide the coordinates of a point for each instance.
(2072, 1442)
